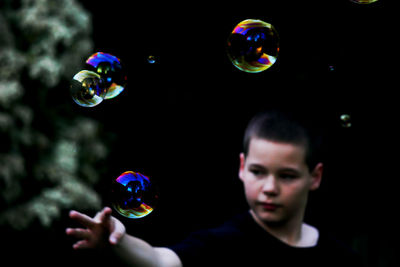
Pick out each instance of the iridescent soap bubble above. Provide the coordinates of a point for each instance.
(151, 59)
(364, 1)
(110, 69)
(253, 46)
(345, 120)
(88, 89)
(133, 195)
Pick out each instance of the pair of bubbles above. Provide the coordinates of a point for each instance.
(103, 78)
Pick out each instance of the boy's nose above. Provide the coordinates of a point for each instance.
(270, 186)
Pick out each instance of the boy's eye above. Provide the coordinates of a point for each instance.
(287, 176)
(256, 172)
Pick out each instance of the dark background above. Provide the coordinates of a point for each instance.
(180, 120)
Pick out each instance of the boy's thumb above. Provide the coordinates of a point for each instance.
(114, 238)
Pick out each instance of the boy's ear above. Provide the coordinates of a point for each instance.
(316, 176)
(241, 166)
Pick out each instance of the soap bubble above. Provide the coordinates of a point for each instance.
(133, 195)
(88, 89)
(364, 1)
(151, 59)
(253, 46)
(345, 120)
(110, 69)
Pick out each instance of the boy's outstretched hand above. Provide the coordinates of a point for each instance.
(100, 231)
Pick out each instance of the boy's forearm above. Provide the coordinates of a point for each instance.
(136, 252)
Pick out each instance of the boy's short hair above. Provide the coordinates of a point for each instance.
(279, 126)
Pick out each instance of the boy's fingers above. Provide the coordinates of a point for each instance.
(82, 218)
(83, 244)
(78, 233)
(115, 237)
(102, 215)
(117, 233)
(105, 215)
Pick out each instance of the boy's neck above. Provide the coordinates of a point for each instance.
(294, 233)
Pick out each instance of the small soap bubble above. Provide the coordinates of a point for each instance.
(133, 195)
(364, 1)
(151, 59)
(253, 46)
(345, 120)
(110, 69)
(88, 89)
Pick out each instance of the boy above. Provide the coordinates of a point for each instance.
(278, 168)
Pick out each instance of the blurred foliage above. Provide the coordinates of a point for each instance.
(49, 158)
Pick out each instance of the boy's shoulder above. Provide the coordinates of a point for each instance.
(309, 236)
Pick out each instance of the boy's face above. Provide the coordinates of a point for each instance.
(277, 180)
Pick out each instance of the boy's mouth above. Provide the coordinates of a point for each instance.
(269, 206)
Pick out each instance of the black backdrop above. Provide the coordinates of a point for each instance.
(180, 120)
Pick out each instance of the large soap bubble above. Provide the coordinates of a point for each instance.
(133, 195)
(110, 69)
(253, 46)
